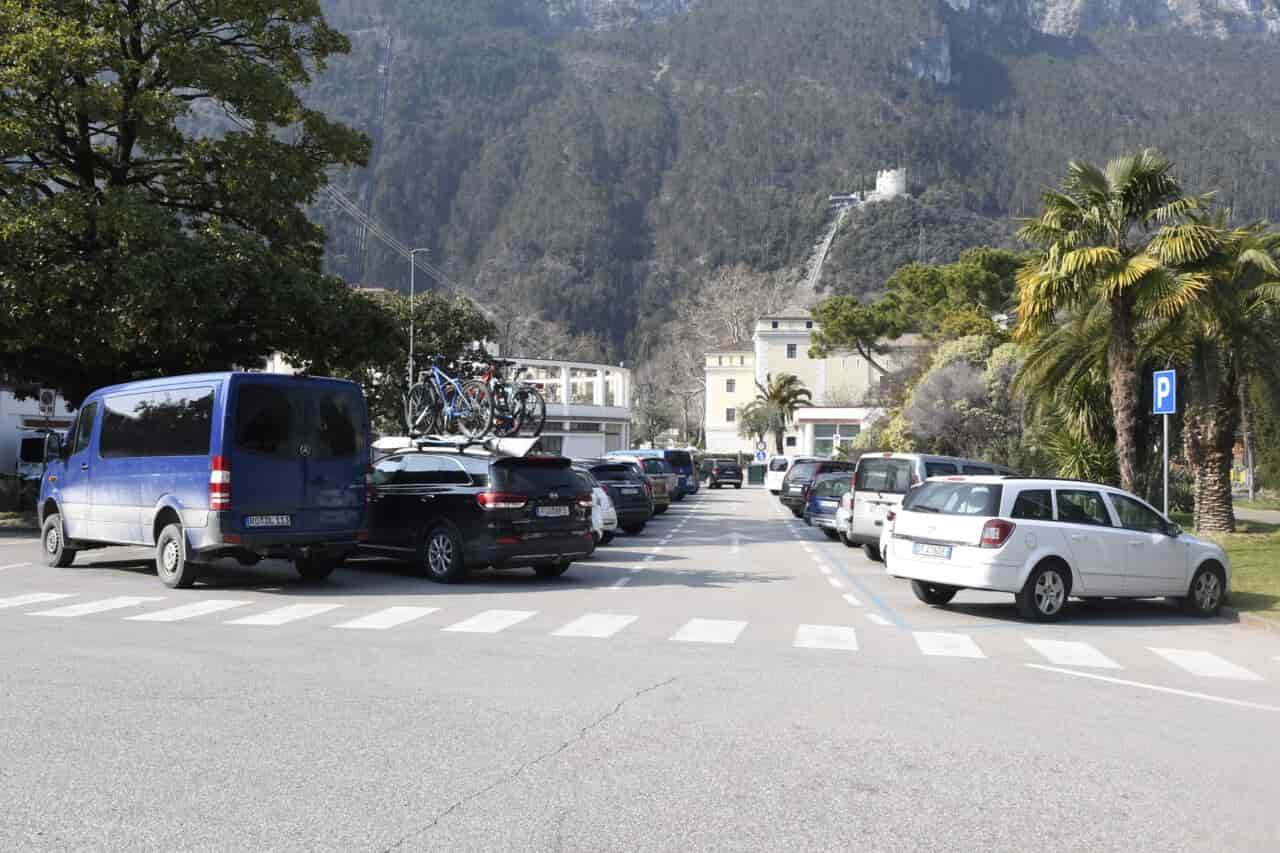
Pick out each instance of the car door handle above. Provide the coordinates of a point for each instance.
(1077, 537)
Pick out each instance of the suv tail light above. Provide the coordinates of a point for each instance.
(501, 500)
(219, 484)
(996, 532)
(584, 501)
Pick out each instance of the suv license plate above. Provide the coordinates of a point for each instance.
(631, 491)
(943, 551)
(552, 511)
(268, 521)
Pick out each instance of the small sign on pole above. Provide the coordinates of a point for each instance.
(1165, 402)
(761, 456)
(761, 447)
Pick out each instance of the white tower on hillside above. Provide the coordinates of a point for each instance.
(890, 183)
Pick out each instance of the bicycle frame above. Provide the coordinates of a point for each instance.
(442, 383)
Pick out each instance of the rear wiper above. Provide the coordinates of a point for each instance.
(922, 509)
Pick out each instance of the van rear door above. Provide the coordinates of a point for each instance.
(879, 485)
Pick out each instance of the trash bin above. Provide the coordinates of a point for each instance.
(755, 475)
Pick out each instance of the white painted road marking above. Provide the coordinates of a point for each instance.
(284, 615)
(824, 569)
(709, 631)
(33, 598)
(1156, 687)
(118, 603)
(947, 645)
(1066, 653)
(188, 611)
(620, 583)
(836, 582)
(852, 599)
(595, 625)
(878, 619)
(491, 621)
(14, 566)
(5, 542)
(1206, 664)
(826, 637)
(387, 618)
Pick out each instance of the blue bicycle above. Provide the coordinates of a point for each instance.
(440, 403)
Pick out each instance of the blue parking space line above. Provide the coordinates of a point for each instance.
(888, 612)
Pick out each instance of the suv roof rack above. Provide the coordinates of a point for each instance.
(509, 447)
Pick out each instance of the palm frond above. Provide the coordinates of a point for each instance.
(1089, 260)
(1185, 243)
(1259, 259)
(1134, 270)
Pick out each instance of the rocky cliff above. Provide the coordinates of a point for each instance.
(605, 14)
(1074, 17)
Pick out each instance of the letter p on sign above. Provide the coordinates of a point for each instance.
(1166, 393)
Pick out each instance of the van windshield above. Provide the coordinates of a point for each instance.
(884, 475)
(319, 423)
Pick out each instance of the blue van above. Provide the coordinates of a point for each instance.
(243, 465)
(681, 461)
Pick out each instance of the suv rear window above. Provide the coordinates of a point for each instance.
(956, 498)
(884, 475)
(615, 474)
(803, 471)
(535, 477)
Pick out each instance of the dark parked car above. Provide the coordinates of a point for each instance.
(631, 494)
(448, 512)
(824, 499)
(724, 473)
(795, 486)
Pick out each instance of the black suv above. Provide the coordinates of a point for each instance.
(631, 494)
(795, 486)
(724, 473)
(448, 511)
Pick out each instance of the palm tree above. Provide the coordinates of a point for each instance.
(1229, 336)
(1092, 232)
(754, 421)
(781, 398)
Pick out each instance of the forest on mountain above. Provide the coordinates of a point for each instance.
(588, 178)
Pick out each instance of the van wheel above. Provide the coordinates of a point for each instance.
(172, 565)
(848, 543)
(607, 538)
(830, 534)
(1205, 592)
(56, 552)
(632, 529)
(1044, 595)
(552, 570)
(443, 555)
(873, 553)
(933, 593)
(315, 567)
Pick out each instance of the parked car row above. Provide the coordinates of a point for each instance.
(947, 524)
(251, 466)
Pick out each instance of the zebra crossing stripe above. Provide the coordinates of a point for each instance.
(1066, 653)
(491, 621)
(187, 611)
(722, 631)
(118, 603)
(285, 615)
(947, 645)
(1206, 664)
(826, 637)
(33, 598)
(387, 618)
(595, 625)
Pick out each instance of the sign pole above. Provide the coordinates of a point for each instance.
(1166, 465)
(1165, 403)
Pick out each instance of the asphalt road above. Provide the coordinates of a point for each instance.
(729, 680)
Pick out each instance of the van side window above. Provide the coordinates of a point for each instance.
(976, 469)
(157, 423)
(939, 469)
(84, 428)
(1082, 507)
(1034, 505)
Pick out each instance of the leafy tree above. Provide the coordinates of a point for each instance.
(1093, 232)
(129, 243)
(842, 322)
(781, 398)
(754, 421)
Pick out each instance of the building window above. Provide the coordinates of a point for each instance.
(730, 415)
(742, 361)
(731, 385)
(774, 324)
(791, 351)
(791, 441)
(719, 361)
(808, 324)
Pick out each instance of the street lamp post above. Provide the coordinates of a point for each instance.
(412, 294)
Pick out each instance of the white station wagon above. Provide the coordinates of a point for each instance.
(1046, 540)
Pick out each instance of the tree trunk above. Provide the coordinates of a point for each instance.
(1209, 429)
(1122, 374)
(1246, 432)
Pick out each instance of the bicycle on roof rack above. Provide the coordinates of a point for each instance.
(440, 403)
(519, 409)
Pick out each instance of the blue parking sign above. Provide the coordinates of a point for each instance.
(1165, 398)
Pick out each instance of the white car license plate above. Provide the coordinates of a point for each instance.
(268, 521)
(943, 551)
(552, 511)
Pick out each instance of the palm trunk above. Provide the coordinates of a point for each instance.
(1122, 374)
(1246, 432)
(1209, 427)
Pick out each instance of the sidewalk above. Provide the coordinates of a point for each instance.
(1262, 516)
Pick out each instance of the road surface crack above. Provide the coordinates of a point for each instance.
(533, 762)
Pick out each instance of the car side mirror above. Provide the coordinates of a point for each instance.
(1173, 530)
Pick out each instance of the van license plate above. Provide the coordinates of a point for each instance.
(268, 521)
(552, 511)
(943, 551)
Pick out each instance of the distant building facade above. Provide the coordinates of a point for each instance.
(840, 385)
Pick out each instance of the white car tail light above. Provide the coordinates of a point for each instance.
(996, 532)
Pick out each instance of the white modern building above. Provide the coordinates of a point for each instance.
(588, 405)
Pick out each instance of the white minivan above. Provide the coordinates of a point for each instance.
(1046, 540)
(776, 472)
(879, 485)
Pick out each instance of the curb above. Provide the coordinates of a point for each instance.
(1253, 620)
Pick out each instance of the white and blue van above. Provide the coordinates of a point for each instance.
(243, 465)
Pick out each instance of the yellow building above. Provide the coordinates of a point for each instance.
(840, 385)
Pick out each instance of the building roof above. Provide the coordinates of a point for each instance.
(791, 312)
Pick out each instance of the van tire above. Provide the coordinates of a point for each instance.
(315, 567)
(172, 566)
(830, 534)
(873, 553)
(607, 538)
(442, 555)
(54, 545)
(552, 570)
(934, 594)
(848, 543)
(633, 529)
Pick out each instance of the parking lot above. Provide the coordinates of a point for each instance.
(729, 661)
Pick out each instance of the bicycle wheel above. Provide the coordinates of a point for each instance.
(475, 409)
(506, 411)
(421, 410)
(533, 412)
